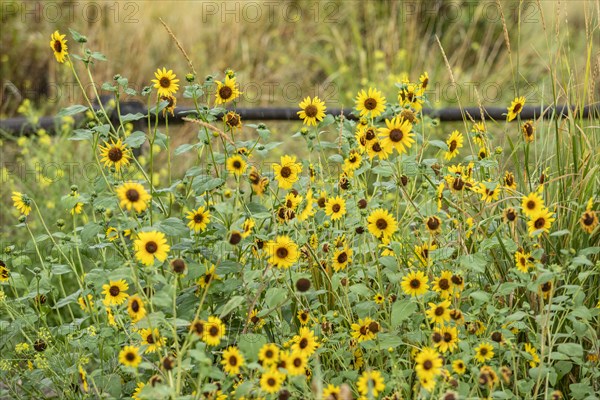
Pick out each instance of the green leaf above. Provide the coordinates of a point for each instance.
(136, 139)
(173, 227)
(82, 134)
(132, 117)
(72, 110)
(401, 311)
(562, 232)
(439, 144)
(275, 297)
(250, 344)
(206, 183)
(184, 148)
(480, 296)
(231, 305)
(573, 350)
(60, 269)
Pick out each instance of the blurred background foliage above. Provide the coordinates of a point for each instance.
(284, 51)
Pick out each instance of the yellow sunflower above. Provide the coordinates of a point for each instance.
(439, 313)
(269, 354)
(361, 331)
(226, 91)
(21, 202)
(449, 336)
(376, 149)
(232, 360)
(455, 143)
(459, 367)
(370, 103)
(115, 155)
(259, 183)
(515, 108)
(136, 308)
(433, 224)
(331, 392)
(208, 277)
(370, 383)
(532, 204)
(233, 120)
(171, 103)
(411, 95)
(484, 352)
(489, 191)
(150, 246)
(415, 283)
(129, 356)
(341, 258)
(312, 111)
(352, 163)
(152, 339)
(589, 221)
(429, 364)
(523, 261)
(133, 195)
(283, 252)
(58, 43)
(528, 130)
(297, 363)
(165, 82)
(443, 284)
(5, 274)
(236, 165)
(540, 221)
(396, 135)
(532, 351)
(335, 207)
(286, 173)
(115, 292)
(214, 330)
(305, 342)
(381, 223)
(271, 380)
(198, 219)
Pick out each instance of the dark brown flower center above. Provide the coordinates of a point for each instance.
(151, 247)
(150, 339)
(165, 82)
(458, 184)
(436, 337)
(303, 343)
(453, 146)
(483, 351)
(517, 107)
(370, 103)
(237, 164)
(311, 111)
(511, 215)
(546, 287)
(588, 219)
(376, 147)
(214, 330)
(235, 238)
(297, 362)
(415, 283)
(374, 327)
(233, 120)
(539, 223)
(199, 327)
(363, 330)
(427, 365)
(114, 291)
(381, 224)
(178, 266)
(57, 46)
(198, 218)
(342, 257)
(286, 172)
(444, 284)
(439, 311)
(269, 353)
(447, 337)
(132, 195)
(225, 92)
(130, 356)
(433, 223)
(370, 134)
(115, 154)
(233, 361)
(336, 208)
(271, 382)
(396, 135)
(282, 252)
(135, 306)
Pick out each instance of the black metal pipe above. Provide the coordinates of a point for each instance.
(22, 126)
